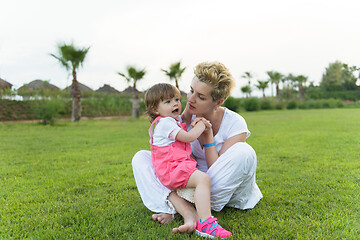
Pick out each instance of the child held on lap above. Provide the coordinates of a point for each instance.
(171, 153)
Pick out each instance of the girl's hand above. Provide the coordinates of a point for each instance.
(207, 123)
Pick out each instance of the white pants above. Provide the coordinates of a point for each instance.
(232, 181)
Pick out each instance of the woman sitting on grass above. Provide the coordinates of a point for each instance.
(226, 157)
(171, 153)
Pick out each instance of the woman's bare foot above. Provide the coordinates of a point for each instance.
(190, 220)
(163, 218)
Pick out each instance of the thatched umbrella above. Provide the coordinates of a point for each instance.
(108, 89)
(4, 84)
(83, 88)
(38, 85)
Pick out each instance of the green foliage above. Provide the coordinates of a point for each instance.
(292, 104)
(48, 110)
(252, 104)
(70, 57)
(338, 76)
(266, 104)
(319, 93)
(233, 104)
(75, 181)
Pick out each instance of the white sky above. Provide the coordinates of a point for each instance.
(289, 36)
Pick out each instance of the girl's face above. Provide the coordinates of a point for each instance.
(169, 107)
(199, 98)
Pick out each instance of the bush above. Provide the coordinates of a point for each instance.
(233, 104)
(279, 106)
(292, 104)
(266, 104)
(252, 104)
(48, 110)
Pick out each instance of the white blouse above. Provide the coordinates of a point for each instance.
(232, 124)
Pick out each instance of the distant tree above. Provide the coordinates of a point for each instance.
(72, 58)
(275, 78)
(301, 80)
(248, 76)
(174, 73)
(262, 85)
(246, 90)
(132, 77)
(338, 76)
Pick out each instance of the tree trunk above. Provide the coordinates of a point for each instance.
(277, 90)
(263, 93)
(177, 84)
(135, 103)
(76, 104)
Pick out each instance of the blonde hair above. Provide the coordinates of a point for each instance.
(218, 77)
(157, 93)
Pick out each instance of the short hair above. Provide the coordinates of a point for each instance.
(157, 93)
(218, 77)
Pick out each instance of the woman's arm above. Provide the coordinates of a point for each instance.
(186, 116)
(211, 155)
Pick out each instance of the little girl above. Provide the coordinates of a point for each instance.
(171, 153)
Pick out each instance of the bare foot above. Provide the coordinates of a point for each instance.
(163, 218)
(189, 224)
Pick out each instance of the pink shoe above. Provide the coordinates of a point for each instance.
(211, 228)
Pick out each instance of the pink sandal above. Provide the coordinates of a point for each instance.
(211, 228)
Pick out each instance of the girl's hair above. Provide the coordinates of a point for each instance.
(218, 77)
(157, 93)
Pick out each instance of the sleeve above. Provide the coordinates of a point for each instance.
(237, 125)
(168, 128)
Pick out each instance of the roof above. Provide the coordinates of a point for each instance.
(38, 85)
(4, 84)
(83, 88)
(107, 89)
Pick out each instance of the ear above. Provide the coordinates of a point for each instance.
(219, 102)
(154, 110)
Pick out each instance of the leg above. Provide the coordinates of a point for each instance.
(233, 179)
(153, 194)
(201, 182)
(185, 209)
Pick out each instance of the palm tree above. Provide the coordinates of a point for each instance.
(248, 76)
(174, 72)
(246, 90)
(301, 79)
(262, 85)
(72, 58)
(275, 78)
(134, 75)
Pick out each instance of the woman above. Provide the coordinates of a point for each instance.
(230, 162)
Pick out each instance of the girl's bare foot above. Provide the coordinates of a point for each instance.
(190, 220)
(163, 218)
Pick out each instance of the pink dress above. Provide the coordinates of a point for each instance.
(173, 164)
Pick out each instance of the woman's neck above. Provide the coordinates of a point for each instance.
(213, 116)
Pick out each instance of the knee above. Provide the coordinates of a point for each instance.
(141, 158)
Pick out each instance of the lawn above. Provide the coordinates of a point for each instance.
(74, 180)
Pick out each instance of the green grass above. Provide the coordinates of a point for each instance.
(74, 180)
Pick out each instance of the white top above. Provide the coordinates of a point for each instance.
(232, 124)
(165, 131)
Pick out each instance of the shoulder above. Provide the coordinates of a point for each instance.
(233, 124)
(231, 116)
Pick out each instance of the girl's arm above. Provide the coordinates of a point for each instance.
(211, 155)
(191, 135)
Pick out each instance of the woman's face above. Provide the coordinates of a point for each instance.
(199, 98)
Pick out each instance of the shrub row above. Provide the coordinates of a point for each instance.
(47, 110)
(256, 104)
(117, 105)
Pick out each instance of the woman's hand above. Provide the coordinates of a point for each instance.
(208, 126)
